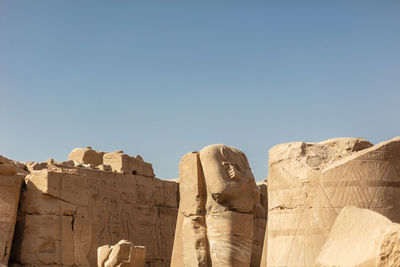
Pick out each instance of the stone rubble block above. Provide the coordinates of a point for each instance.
(122, 254)
(361, 237)
(124, 163)
(86, 156)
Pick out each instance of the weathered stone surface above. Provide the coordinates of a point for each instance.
(309, 183)
(361, 237)
(86, 156)
(124, 163)
(231, 197)
(123, 254)
(216, 220)
(103, 253)
(67, 213)
(230, 182)
(20, 167)
(260, 222)
(10, 186)
(190, 242)
(7, 169)
(104, 167)
(36, 166)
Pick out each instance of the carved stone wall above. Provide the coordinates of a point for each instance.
(67, 213)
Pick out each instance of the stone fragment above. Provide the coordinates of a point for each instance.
(36, 166)
(86, 156)
(69, 163)
(10, 187)
(309, 183)
(103, 253)
(104, 167)
(123, 254)
(83, 165)
(361, 237)
(216, 217)
(229, 180)
(124, 163)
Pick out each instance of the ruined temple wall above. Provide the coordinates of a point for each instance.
(67, 213)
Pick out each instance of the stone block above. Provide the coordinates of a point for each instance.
(122, 254)
(361, 237)
(124, 163)
(86, 156)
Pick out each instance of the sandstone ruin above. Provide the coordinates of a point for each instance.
(76, 212)
(67, 212)
(309, 183)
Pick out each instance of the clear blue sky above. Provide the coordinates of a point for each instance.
(162, 79)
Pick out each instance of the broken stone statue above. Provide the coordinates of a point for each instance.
(215, 219)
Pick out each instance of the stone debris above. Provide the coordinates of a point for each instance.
(361, 237)
(123, 254)
(216, 216)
